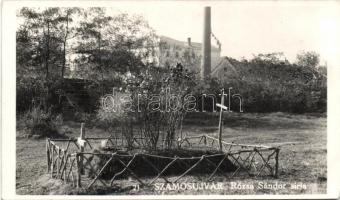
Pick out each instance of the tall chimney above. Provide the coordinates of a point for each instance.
(189, 41)
(206, 45)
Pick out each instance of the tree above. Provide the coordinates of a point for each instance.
(308, 59)
(42, 48)
(47, 31)
(69, 31)
(106, 48)
(113, 46)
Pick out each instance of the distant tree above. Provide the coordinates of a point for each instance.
(105, 47)
(269, 84)
(92, 44)
(47, 32)
(308, 59)
(68, 31)
(113, 46)
(42, 50)
(273, 58)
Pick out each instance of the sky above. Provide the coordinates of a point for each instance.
(246, 28)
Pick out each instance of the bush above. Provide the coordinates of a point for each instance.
(40, 123)
(116, 119)
(29, 93)
(267, 85)
(143, 106)
(157, 114)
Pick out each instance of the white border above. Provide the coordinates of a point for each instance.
(8, 116)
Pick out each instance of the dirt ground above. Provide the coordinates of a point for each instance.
(303, 164)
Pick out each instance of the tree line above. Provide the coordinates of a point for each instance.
(104, 48)
(112, 50)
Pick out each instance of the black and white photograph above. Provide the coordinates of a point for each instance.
(171, 98)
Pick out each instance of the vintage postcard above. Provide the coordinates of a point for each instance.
(170, 99)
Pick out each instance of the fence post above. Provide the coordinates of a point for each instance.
(277, 163)
(65, 166)
(52, 160)
(58, 162)
(220, 125)
(82, 148)
(79, 167)
(48, 154)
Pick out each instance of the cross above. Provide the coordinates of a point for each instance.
(220, 124)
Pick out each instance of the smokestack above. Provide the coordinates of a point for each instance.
(206, 45)
(189, 41)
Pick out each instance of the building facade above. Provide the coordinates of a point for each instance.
(171, 52)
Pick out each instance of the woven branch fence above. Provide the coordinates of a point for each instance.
(76, 162)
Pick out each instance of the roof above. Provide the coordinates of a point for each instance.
(224, 67)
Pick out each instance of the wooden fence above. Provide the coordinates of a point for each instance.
(67, 159)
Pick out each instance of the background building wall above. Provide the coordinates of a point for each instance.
(188, 53)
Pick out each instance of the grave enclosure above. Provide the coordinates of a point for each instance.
(77, 161)
(81, 162)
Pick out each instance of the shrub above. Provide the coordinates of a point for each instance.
(145, 108)
(29, 93)
(267, 85)
(41, 123)
(116, 119)
(152, 91)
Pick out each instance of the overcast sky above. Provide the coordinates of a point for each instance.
(246, 28)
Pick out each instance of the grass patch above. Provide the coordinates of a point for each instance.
(299, 163)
